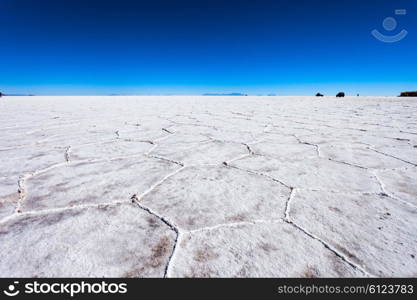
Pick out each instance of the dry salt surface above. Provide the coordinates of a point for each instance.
(193, 186)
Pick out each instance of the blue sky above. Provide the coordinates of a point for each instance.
(287, 47)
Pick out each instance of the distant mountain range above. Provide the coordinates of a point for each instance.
(17, 94)
(224, 94)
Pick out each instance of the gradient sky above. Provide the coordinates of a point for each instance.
(286, 47)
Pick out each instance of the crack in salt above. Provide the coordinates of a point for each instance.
(235, 224)
(60, 209)
(21, 183)
(388, 194)
(67, 154)
(287, 218)
(346, 163)
(168, 131)
(309, 144)
(22, 191)
(392, 156)
(259, 174)
(165, 159)
(251, 152)
(135, 199)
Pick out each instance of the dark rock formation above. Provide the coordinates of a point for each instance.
(408, 94)
(1, 94)
(319, 95)
(340, 95)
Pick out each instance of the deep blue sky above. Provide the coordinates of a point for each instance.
(287, 47)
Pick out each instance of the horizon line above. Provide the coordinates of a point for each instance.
(204, 95)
